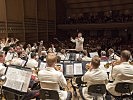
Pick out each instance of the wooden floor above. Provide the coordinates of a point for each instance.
(71, 89)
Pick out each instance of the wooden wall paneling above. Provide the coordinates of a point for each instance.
(30, 20)
(14, 10)
(2, 11)
(42, 14)
(15, 18)
(61, 11)
(3, 20)
(51, 17)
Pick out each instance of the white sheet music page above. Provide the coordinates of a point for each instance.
(78, 69)
(69, 69)
(17, 79)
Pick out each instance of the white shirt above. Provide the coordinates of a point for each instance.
(120, 73)
(114, 57)
(51, 79)
(86, 58)
(79, 43)
(17, 61)
(31, 63)
(10, 56)
(95, 76)
(2, 69)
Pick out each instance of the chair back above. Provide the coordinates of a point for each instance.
(97, 89)
(124, 87)
(79, 81)
(49, 94)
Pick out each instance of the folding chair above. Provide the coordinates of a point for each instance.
(97, 90)
(124, 88)
(49, 94)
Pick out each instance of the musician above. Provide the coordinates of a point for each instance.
(51, 79)
(34, 47)
(2, 67)
(79, 42)
(112, 55)
(52, 49)
(63, 54)
(28, 49)
(103, 56)
(10, 54)
(32, 63)
(40, 47)
(121, 73)
(93, 76)
(85, 56)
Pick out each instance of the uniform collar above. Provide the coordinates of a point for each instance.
(125, 63)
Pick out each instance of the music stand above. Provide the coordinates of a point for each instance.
(17, 80)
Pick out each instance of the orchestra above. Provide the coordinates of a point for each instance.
(50, 66)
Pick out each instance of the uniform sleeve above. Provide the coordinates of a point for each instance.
(62, 81)
(115, 72)
(73, 40)
(82, 40)
(85, 77)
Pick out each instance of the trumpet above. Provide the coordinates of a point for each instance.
(113, 63)
(88, 66)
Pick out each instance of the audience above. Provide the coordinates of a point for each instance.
(99, 17)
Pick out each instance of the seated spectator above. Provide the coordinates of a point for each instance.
(121, 73)
(93, 76)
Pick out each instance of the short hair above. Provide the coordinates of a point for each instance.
(33, 54)
(95, 61)
(58, 59)
(111, 50)
(103, 53)
(125, 54)
(85, 52)
(51, 59)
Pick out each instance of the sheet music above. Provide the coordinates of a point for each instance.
(17, 85)
(17, 79)
(92, 54)
(78, 69)
(69, 69)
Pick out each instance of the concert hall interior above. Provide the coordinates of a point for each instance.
(66, 49)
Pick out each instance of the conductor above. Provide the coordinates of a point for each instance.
(79, 42)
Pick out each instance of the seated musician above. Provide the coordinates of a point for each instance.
(63, 54)
(112, 55)
(103, 56)
(32, 63)
(51, 79)
(121, 73)
(2, 67)
(85, 56)
(93, 76)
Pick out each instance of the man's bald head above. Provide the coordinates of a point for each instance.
(51, 59)
(125, 55)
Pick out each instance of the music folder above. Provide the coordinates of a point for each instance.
(73, 69)
(17, 80)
